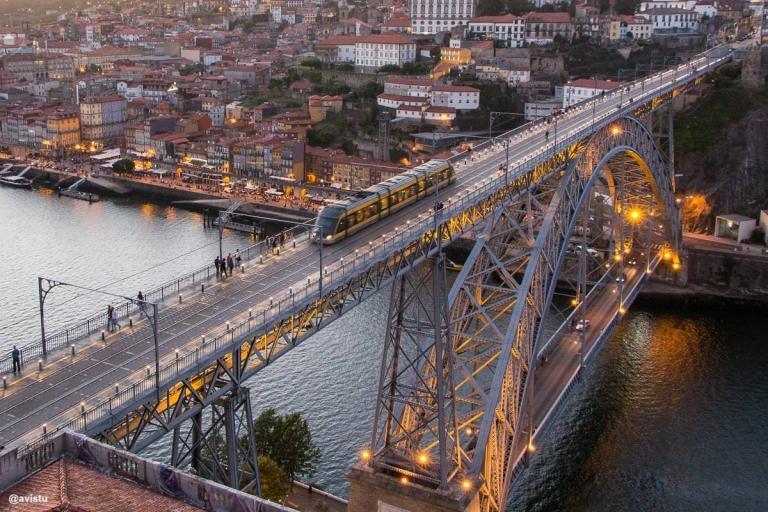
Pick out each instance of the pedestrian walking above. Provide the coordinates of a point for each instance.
(238, 259)
(16, 356)
(217, 262)
(274, 244)
(282, 239)
(110, 312)
(140, 296)
(230, 263)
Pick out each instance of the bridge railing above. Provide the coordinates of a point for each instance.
(69, 335)
(257, 323)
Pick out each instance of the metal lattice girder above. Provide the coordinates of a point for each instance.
(497, 307)
(138, 426)
(414, 370)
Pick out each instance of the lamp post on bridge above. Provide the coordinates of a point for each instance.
(45, 285)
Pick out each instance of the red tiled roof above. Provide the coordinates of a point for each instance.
(408, 81)
(337, 41)
(455, 88)
(441, 110)
(398, 19)
(73, 486)
(505, 18)
(386, 38)
(397, 97)
(666, 10)
(549, 17)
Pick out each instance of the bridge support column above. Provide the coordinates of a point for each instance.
(371, 490)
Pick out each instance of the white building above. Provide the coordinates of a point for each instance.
(518, 75)
(579, 90)
(420, 99)
(459, 97)
(408, 87)
(671, 18)
(435, 16)
(377, 50)
(640, 28)
(508, 28)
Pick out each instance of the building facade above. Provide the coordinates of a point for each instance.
(507, 28)
(102, 120)
(435, 16)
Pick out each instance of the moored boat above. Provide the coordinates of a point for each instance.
(16, 181)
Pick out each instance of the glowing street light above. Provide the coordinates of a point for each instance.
(365, 455)
(635, 215)
(616, 130)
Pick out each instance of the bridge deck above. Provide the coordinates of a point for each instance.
(51, 396)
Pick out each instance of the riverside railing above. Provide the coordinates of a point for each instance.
(274, 310)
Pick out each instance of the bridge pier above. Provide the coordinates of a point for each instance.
(371, 490)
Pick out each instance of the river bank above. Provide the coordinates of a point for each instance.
(658, 293)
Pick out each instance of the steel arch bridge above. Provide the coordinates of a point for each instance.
(457, 403)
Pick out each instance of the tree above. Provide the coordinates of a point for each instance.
(123, 165)
(312, 62)
(287, 440)
(190, 69)
(389, 68)
(370, 90)
(273, 480)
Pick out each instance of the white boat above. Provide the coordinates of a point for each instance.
(16, 181)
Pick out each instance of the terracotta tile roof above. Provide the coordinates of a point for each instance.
(506, 18)
(408, 81)
(397, 97)
(549, 17)
(386, 38)
(454, 88)
(71, 486)
(338, 41)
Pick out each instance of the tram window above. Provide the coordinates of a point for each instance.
(383, 203)
(360, 216)
(421, 185)
(373, 210)
(343, 223)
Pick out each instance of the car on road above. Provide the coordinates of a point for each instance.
(620, 279)
(582, 324)
(576, 248)
(632, 261)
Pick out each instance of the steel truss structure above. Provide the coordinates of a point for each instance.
(461, 406)
(454, 409)
(144, 419)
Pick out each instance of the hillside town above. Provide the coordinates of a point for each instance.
(329, 93)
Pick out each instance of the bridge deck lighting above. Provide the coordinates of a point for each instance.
(622, 310)
(617, 256)
(423, 458)
(466, 484)
(365, 455)
(635, 215)
(675, 266)
(531, 447)
(404, 480)
(468, 431)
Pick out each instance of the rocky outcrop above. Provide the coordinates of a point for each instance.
(733, 171)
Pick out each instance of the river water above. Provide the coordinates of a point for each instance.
(671, 415)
